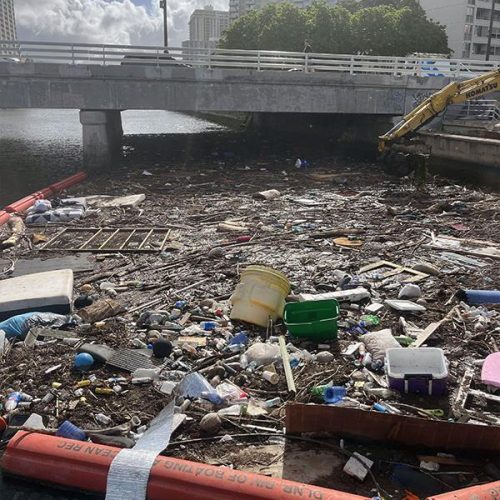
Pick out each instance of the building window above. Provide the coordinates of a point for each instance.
(479, 49)
(466, 51)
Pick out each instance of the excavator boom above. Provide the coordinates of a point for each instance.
(453, 93)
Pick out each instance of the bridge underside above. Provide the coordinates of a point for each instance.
(102, 91)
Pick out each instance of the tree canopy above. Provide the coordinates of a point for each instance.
(374, 27)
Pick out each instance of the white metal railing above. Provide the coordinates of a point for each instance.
(477, 109)
(260, 60)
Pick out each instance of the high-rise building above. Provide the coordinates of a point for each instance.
(467, 26)
(7, 20)
(238, 8)
(206, 27)
(207, 24)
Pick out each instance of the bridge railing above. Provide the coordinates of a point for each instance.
(259, 60)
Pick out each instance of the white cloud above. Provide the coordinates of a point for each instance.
(106, 21)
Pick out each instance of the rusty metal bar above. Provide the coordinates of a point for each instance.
(164, 242)
(146, 239)
(128, 239)
(53, 239)
(91, 239)
(109, 239)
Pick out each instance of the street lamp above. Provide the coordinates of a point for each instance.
(163, 5)
(490, 33)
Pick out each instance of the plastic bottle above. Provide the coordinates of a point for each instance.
(379, 392)
(270, 403)
(208, 325)
(319, 390)
(213, 397)
(234, 410)
(334, 394)
(12, 401)
(103, 419)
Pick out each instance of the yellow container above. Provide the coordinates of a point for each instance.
(260, 295)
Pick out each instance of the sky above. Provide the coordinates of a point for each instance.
(137, 22)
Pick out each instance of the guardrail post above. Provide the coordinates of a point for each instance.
(72, 53)
(103, 55)
(258, 60)
(209, 58)
(306, 67)
(351, 68)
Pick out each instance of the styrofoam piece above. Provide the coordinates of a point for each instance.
(374, 308)
(34, 421)
(104, 201)
(417, 370)
(354, 468)
(2, 341)
(490, 373)
(404, 305)
(51, 291)
(353, 295)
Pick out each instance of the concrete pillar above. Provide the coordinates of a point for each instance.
(102, 137)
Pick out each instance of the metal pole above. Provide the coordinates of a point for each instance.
(490, 33)
(163, 5)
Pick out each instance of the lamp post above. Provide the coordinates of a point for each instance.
(163, 5)
(490, 33)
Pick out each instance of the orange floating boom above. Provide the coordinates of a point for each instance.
(28, 201)
(85, 466)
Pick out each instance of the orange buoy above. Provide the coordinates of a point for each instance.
(85, 466)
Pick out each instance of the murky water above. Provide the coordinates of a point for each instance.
(38, 147)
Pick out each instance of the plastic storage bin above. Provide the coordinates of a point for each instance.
(315, 320)
(420, 370)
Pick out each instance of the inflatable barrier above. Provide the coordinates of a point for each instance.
(4, 217)
(28, 201)
(85, 466)
(490, 491)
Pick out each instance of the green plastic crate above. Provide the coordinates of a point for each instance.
(314, 319)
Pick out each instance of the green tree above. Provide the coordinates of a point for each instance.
(376, 27)
(243, 33)
(329, 29)
(282, 27)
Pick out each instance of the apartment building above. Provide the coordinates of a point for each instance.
(467, 26)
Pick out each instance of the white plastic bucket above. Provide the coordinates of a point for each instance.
(260, 295)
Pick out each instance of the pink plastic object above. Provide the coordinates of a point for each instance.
(490, 374)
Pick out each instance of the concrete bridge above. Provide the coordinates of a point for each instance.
(102, 80)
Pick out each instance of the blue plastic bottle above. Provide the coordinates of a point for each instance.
(334, 394)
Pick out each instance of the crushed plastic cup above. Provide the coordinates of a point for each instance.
(271, 377)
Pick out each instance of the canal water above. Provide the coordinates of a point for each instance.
(38, 147)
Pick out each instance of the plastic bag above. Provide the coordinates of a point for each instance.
(262, 354)
(20, 325)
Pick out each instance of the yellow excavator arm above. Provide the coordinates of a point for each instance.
(454, 93)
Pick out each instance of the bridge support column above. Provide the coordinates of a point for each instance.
(102, 137)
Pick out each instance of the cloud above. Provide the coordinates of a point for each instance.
(106, 21)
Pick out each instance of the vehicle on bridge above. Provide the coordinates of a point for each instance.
(152, 59)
